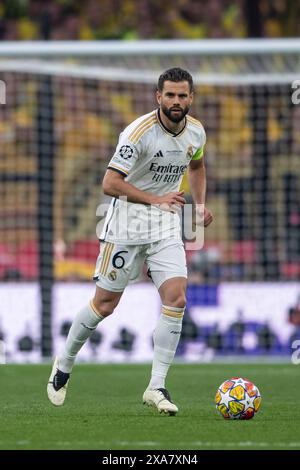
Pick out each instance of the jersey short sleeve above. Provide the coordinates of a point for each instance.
(125, 156)
(200, 151)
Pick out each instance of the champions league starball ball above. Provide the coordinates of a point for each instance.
(237, 398)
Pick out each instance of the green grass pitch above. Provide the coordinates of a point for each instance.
(104, 410)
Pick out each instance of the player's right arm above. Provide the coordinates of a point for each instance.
(114, 184)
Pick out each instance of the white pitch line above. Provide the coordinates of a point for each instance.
(141, 443)
(244, 444)
(191, 445)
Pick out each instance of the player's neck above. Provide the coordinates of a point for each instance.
(174, 127)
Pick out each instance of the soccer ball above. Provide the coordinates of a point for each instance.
(237, 398)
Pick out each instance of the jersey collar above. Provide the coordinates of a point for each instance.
(165, 129)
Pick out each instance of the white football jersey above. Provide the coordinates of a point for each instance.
(152, 159)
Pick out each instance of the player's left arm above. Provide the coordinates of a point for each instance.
(197, 183)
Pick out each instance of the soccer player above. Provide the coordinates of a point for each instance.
(143, 225)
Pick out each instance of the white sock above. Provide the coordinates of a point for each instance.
(84, 323)
(166, 338)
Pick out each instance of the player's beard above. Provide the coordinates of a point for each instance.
(175, 117)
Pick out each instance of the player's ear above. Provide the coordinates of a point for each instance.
(158, 96)
(192, 96)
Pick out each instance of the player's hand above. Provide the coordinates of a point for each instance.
(208, 217)
(172, 202)
(205, 218)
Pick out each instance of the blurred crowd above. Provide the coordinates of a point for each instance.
(147, 19)
(254, 196)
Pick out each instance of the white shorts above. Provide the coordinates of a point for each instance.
(118, 265)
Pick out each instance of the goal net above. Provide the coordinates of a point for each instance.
(59, 127)
(65, 107)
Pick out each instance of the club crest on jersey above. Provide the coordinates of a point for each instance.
(112, 275)
(126, 152)
(189, 153)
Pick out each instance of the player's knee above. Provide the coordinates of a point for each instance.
(105, 302)
(105, 307)
(180, 301)
(177, 301)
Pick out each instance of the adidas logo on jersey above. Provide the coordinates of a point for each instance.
(159, 154)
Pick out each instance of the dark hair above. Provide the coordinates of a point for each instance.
(176, 74)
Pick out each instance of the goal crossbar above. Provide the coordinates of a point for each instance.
(149, 47)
